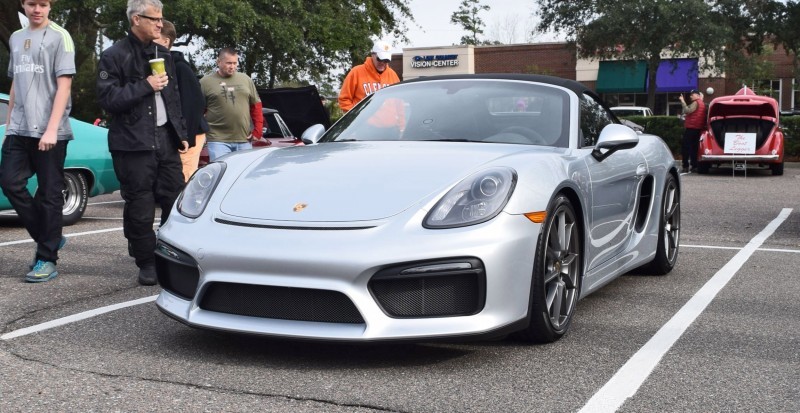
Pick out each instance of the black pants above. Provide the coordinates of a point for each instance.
(147, 178)
(42, 215)
(689, 146)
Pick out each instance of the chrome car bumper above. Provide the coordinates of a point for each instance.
(729, 158)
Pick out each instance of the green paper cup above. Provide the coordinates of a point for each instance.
(157, 65)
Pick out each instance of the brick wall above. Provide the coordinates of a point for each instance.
(781, 63)
(555, 59)
(559, 59)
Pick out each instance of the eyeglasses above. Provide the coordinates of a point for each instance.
(152, 19)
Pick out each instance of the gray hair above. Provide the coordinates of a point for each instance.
(140, 6)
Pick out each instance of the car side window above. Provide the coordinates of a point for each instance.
(593, 119)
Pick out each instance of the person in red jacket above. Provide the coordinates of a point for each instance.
(695, 123)
(366, 79)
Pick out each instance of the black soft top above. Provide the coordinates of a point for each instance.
(572, 85)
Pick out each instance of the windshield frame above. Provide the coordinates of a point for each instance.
(477, 110)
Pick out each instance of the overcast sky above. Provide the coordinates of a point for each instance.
(506, 18)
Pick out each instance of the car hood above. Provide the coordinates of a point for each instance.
(353, 181)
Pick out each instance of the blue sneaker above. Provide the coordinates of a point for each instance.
(60, 245)
(42, 271)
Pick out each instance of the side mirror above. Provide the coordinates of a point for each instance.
(312, 134)
(614, 137)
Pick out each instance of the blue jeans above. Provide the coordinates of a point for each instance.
(42, 214)
(217, 149)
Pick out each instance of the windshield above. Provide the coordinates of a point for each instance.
(489, 111)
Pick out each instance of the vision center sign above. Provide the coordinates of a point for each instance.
(441, 60)
(446, 60)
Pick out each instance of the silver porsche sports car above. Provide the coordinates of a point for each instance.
(438, 208)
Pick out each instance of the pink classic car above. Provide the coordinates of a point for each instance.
(743, 132)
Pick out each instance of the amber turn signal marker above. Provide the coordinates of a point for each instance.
(537, 217)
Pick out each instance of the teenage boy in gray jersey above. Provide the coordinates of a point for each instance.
(41, 66)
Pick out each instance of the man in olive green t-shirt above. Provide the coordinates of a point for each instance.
(233, 107)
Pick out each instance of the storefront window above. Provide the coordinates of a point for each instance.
(665, 103)
(771, 88)
(625, 99)
(668, 104)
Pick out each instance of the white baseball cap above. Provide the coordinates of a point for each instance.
(383, 50)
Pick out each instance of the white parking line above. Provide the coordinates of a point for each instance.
(77, 234)
(709, 247)
(609, 398)
(106, 202)
(11, 212)
(75, 317)
(626, 382)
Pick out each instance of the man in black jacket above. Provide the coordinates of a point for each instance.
(147, 129)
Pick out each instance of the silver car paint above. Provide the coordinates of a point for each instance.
(344, 260)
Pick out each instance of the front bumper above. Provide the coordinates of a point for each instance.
(347, 263)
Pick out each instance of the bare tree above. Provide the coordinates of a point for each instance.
(514, 28)
(506, 29)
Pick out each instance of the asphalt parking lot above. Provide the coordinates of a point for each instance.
(719, 333)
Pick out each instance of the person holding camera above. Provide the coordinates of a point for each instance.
(694, 124)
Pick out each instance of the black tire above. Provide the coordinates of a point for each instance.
(76, 196)
(557, 274)
(702, 168)
(669, 229)
(777, 169)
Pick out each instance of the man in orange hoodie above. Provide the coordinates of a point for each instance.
(366, 79)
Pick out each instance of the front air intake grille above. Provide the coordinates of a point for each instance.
(284, 303)
(177, 272)
(447, 290)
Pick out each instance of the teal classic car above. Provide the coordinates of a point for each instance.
(88, 170)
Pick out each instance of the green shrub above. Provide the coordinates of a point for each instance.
(671, 131)
(666, 127)
(791, 134)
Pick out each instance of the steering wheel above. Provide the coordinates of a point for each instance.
(530, 134)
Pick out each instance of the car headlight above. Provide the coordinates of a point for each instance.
(478, 198)
(198, 191)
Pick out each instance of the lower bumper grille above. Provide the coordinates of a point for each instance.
(441, 292)
(177, 272)
(284, 303)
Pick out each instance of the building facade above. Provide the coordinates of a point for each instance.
(620, 83)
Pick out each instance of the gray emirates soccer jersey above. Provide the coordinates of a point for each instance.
(37, 58)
